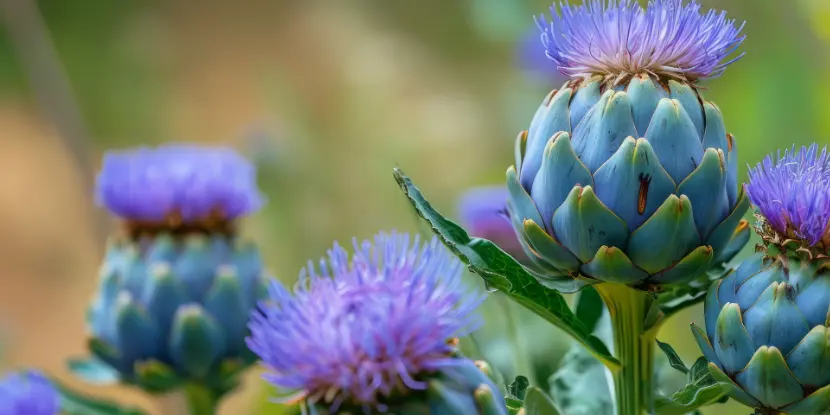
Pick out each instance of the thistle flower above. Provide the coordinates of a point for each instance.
(619, 38)
(627, 174)
(792, 194)
(483, 212)
(28, 393)
(767, 331)
(178, 184)
(373, 333)
(176, 290)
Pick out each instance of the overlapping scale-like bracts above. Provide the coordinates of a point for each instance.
(766, 334)
(176, 308)
(632, 184)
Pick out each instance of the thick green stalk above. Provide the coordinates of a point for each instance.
(634, 334)
(201, 400)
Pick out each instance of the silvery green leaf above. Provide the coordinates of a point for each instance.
(580, 386)
(674, 360)
(538, 403)
(701, 390)
(502, 272)
(93, 371)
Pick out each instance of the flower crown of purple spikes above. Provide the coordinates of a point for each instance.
(149, 184)
(620, 38)
(792, 192)
(366, 326)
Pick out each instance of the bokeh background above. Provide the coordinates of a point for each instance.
(326, 97)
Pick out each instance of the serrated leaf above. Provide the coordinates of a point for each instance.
(93, 370)
(515, 396)
(518, 388)
(701, 390)
(688, 294)
(538, 402)
(674, 360)
(513, 405)
(75, 403)
(589, 307)
(501, 272)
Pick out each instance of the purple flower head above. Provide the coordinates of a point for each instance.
(621, 38)
(483, 214)
(365, 328)
(194, 182)
(793, 193)
(28, 393)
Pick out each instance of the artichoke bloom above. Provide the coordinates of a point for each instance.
(767, 332)
(177, 285)
(28, 393)
(626, 174)
(374, 333)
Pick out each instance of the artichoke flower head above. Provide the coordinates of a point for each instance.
(177, 285)
(626, 174)
(376, 332)
(767, 329)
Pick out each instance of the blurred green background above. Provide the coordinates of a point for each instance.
(327, 97)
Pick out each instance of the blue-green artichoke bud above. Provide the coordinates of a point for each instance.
(590, 200)
(767, 334)
(626, 174)
(767, 323)
(177, 289)
(171, 309)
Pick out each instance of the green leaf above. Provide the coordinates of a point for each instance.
(580, 385)
(93, 371)
(518, 388)
(589, 308)
(501, 272)
(154, 376)
(701, 390)
(537, 402)
(75, 403)
(513, 405)
(514, 399)
(674, 360)
(688, 294)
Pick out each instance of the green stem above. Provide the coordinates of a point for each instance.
(201, 400)
(635, 328)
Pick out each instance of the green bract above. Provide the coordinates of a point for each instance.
(767, 336)
(174, 309)
(463, 388)
(635, 184)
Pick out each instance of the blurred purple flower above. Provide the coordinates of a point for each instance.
(365, 328)
(28, 393)
(483, 214)
(195, 182)
(532, 58)
(620, 37)
(793, 193)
